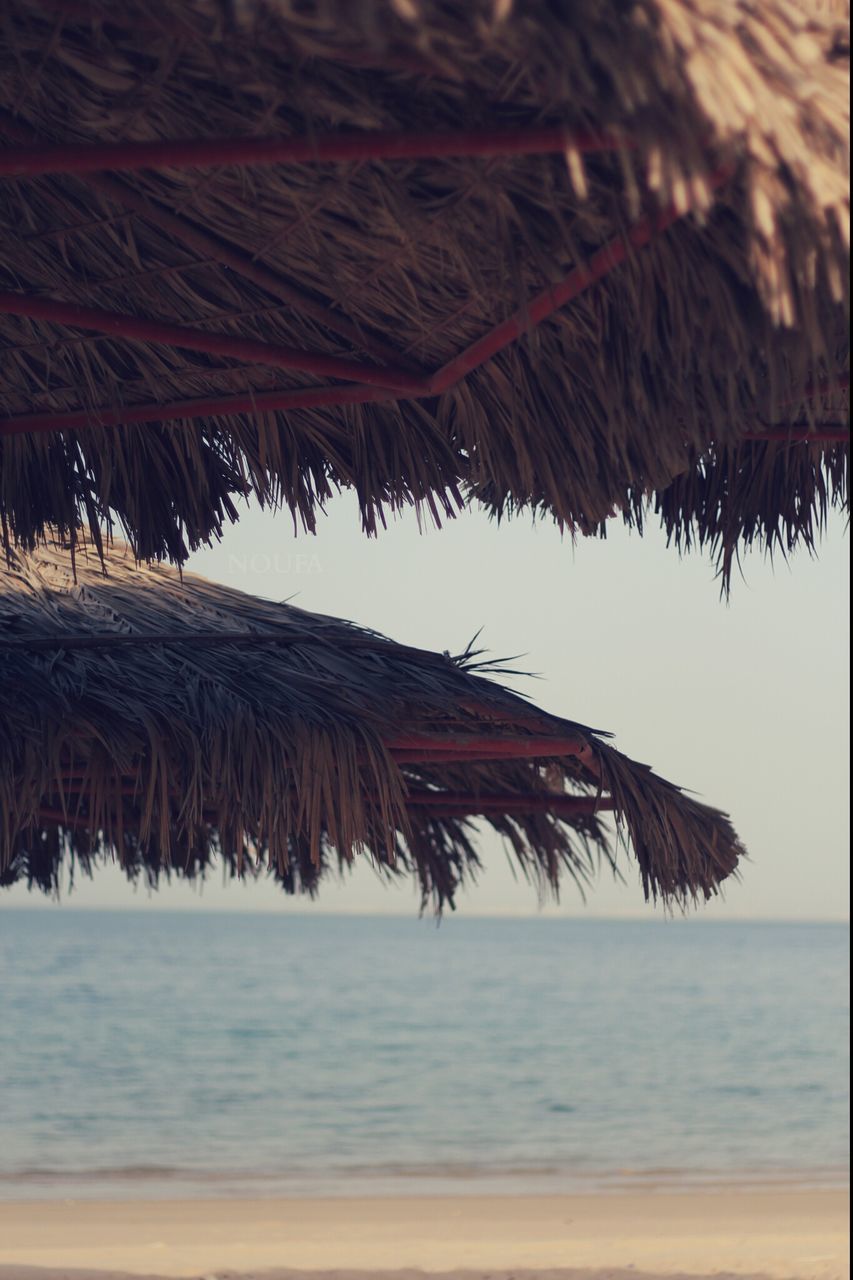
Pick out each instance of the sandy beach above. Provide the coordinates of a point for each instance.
(780, 1233)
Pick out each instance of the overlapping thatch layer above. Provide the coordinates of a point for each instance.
(163, 721)
(393, 237)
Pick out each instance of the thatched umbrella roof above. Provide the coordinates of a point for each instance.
(581, 258)
(162, 720)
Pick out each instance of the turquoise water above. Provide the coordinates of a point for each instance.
(151, 1053)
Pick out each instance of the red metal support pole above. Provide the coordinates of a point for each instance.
(602, 262)
(607, 258)
(373, 384)
(471, 801)
(487, 748)
(205, 407)
(220, 344)
(203, 242)
(438, 804)
(228, 255)
(324, 148)
(452, 803)
(282, 401)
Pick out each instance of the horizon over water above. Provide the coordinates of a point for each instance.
(165, 1052)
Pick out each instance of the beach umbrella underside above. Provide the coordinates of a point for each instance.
(164, 722)
(581, 259)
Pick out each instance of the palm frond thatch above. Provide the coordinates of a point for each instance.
(164, 721)
(642, 391)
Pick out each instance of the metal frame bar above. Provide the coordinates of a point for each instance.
(475, 747)
(451, 748)
(437, 804)
(260, 402)
(366, 382)
(450, 803)
(581, 278)
(223, 252)
(248, 350)
(205, 407)
(460, 805)
(603, 261)
(458, 749)
(323, 148)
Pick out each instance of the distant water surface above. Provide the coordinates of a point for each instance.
(167, 1053)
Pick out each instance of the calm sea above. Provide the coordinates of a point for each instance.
(163, 1053)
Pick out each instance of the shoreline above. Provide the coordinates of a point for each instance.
(778, 1233)
(158, 1186)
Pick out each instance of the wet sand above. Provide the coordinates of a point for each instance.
(618, 1236)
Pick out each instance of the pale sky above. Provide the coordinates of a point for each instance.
(745, 703)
